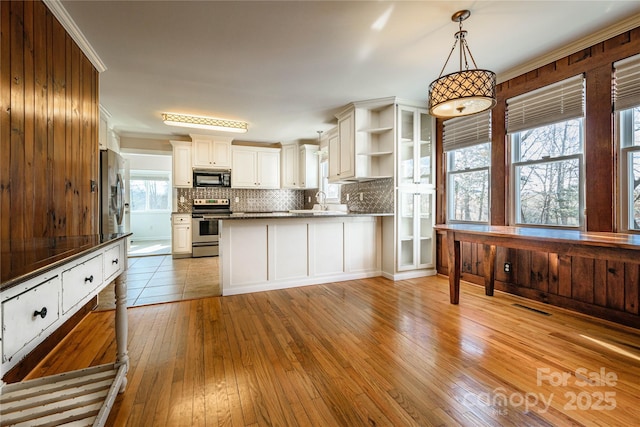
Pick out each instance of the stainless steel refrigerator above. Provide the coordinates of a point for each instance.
(112, 193)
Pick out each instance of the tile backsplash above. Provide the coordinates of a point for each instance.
(377, 196)
(248, 200)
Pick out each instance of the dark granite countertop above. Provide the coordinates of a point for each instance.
(24, 259)
(319, 214)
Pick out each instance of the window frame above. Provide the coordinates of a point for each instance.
(514, 142)
(143, 175)
(624, 134)
(333, 192)
(452, 173)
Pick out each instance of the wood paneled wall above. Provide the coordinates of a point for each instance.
(48, 128)
(601, 287)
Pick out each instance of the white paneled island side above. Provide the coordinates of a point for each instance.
(261, 253)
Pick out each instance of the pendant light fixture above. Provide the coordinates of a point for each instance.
(464, 92)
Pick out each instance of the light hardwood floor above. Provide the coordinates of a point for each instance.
(364, 353)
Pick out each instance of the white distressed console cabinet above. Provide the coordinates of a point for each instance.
(33, 306)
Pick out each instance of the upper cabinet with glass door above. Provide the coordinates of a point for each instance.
(415, 147)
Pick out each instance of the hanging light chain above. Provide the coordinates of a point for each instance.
(448, 57)
(464, 48)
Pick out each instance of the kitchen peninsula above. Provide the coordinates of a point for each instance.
(277, 250)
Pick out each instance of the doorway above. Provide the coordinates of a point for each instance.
(150, 203)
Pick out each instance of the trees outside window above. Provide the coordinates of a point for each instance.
(548, 175)
(629, 121)
(468, 181)
(150, 191)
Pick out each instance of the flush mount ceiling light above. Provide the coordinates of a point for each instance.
(467, 91)
(201, 122)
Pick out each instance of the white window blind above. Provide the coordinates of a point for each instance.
(626, 87)
(463, 132)
(551, 104)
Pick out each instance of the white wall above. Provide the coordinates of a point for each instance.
(151, 226)
(148, 161)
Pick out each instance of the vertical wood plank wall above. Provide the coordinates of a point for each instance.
(600, 287)
(48, 129)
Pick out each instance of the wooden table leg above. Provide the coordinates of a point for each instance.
(489, 268)
(453, 247)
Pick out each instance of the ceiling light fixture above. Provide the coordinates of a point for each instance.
(200, 122)
(467, 91)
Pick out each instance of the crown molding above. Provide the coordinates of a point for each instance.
(598, 37)
(61, 14)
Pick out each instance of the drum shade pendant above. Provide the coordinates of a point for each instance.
(466, 92)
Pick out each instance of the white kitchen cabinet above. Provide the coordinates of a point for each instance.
(415, 204)
(363, 254)
(366, 142)
(341, 149)
(328, 241)
(247, 261)
(299, 166)
(255, 167)
(182, 169)
(289, 166)
(181, 235)
(289, 248)
(308, 163)
(277, 253)
(211, 152)
(415, 147)
(415, 237)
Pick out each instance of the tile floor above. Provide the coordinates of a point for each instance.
(149, 247)
(158, 279)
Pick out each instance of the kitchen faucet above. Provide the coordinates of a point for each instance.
(322, 200)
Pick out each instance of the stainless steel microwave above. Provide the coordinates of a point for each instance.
(211, 178)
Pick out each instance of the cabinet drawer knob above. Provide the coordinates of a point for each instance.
(88, 279)
(42, 313)
(115, 261)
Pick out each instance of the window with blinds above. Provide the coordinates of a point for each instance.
(467, 143)
(551, 104)
(626, 102)
(546, 129)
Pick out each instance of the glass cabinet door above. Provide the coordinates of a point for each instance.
(415, 147)
(415, 230)
(425, 218)
(406, 146)
(406, 225)
(424, 150)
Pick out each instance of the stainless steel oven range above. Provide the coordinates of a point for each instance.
(206, 214)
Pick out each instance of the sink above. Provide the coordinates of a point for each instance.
(317, 212)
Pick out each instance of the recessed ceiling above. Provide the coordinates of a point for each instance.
(286, 67)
